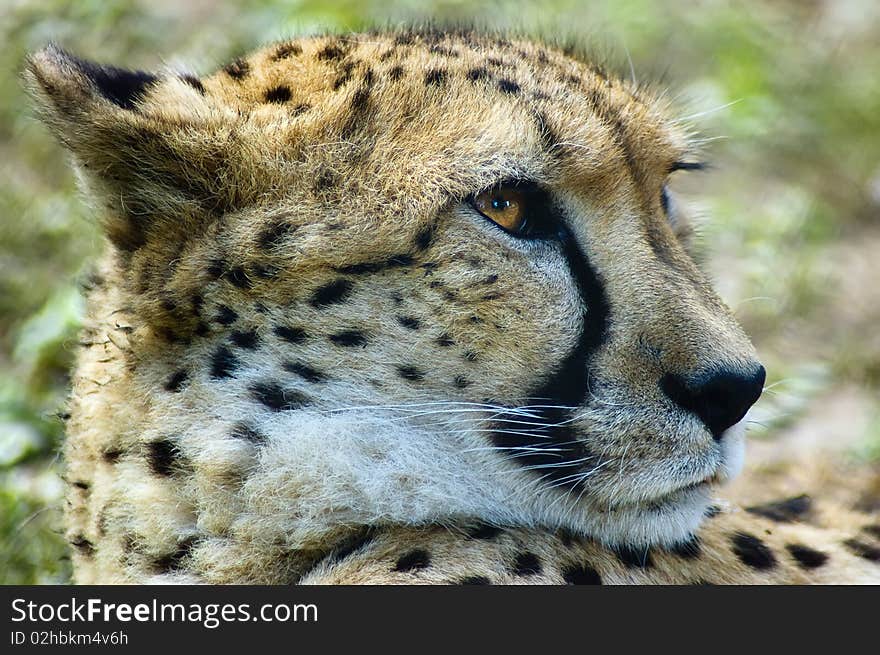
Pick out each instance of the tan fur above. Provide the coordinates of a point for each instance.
(294, 283)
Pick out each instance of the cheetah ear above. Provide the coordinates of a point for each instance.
(149, 148)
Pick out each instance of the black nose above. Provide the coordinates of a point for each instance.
(720, 398)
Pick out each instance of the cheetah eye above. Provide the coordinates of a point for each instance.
(506, 206)
(520, 208)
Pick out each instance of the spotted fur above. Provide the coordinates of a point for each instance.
(307, 358)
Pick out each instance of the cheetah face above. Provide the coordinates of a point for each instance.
(443, 262)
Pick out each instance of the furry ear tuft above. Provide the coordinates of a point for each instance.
(65, 80)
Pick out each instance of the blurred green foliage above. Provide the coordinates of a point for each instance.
(792, 202)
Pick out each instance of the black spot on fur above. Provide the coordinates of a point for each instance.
(508, 86)
(173, 561)
(806, 557)
(358, 541)
(484, 531)
(122, 87)
(278, 94)
(461, 382)
(689, 549)
(784, 511)
(80, 484)
(238, 277)
(349, 338)
(162, 456)
(238, 70)
(712, 511)
(634, 558)
(273, 235)
(409, 322)
(305, 371)
(248, 433)
(248, 339)
(276, 398)
(475, 580)
(413, 561)
(223, 363)
(290, 334)
(470, 355)
(424, 238)
(331, 293)
(410, 373)
(435, 77)
(526, 564)
(194, 82)
(225, 315)
(286, 50)
(753, 552)
(111, 455)
(216, 268)
(332, 51)
(395, 73)
(85, 547)
(175, 382)
(873, 530)
(444, 340)
(861, 549)
(300, 109)
(476, 74)
(581, 575)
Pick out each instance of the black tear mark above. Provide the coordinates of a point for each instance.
(331, 293)
(349, 338)
(223, 363)
(162, 457)
(753, 552)
(414, 560)
(581, 574)
(305, 371)
(276, 398)
(526, 564)
(278, 94)
(784, 511)
(806, 557)
(290, 334)
(175, 382)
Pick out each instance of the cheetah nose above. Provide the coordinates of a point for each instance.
(719, 398)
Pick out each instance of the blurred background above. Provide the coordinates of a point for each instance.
(787, 94)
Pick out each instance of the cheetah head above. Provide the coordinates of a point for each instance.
(414, 277)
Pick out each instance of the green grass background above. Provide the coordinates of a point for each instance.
(790, 209)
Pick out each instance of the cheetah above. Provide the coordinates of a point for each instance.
(407, 307)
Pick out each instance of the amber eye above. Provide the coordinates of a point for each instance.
(506, 206)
